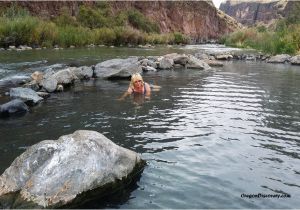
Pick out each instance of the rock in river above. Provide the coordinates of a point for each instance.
(26, 94)
(295, 60)
(116, 68)
(15, 106)
(282, 58)
(54, 173)
(195, 63)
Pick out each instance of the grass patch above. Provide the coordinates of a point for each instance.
(283, 39)
(95, 25)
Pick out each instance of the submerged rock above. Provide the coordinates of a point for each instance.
(13, 107)
(116, 68)
(43, 94)
(214, 63)
(52, 174)
(14, 80)
(26, 94)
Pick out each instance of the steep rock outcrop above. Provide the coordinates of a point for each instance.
(252, 12)
(200, 20)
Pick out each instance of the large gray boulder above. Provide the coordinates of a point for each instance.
(15, 106)
(282, 58)
(26, 94)
(295, 60)
(54, 173)
(195, 63)
(83, 72)
(49, 84)
(165, 63)
(178, 58)
(65, 76)
(118, 68)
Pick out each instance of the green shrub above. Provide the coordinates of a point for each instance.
(65, 18)
(17, 31)
(139, 21)
(104, 36)
(179, 38)
(92, 18)
(70, 35)
(14, 11)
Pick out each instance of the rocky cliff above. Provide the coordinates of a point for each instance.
(198, 19)
(254, 11)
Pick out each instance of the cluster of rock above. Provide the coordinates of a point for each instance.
(56, 173)
(42, 84)
(281, 58)
(175, 61)
(56, 47)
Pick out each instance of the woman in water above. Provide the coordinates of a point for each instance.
(137, 86)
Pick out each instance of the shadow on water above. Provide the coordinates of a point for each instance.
(112, 197)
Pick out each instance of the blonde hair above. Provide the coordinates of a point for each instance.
(134, 78)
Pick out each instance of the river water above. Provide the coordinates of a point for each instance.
(209, 137)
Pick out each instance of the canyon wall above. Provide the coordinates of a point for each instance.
(200, 20)
(258, 11)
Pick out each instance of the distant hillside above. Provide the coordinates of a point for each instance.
(198, 19)
(256, 11)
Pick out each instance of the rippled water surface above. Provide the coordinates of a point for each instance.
(207, 136)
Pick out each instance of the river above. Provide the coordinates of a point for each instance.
(210, 138)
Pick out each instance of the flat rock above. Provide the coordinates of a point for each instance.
(118, 68)
(26, 94)
(149, 68)
(223, 57)
(195, 63)
(295, 60)
(214, 63)
(53, 173)
(282, 58)
(43, 94)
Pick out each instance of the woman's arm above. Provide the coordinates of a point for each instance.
(148, 89)
(127, 93)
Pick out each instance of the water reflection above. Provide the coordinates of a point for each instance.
(208, 137)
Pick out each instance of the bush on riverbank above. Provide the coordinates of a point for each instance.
(281, 40)
(91, 26)
(282, 37)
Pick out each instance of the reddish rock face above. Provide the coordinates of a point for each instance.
(198, 19)
(252, 12)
